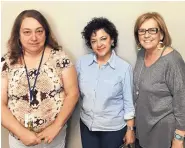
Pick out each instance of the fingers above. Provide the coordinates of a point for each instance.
(129, 138)
(47, 140)
(40, 135)
(44, 138)
(38, 141)
(124, 138)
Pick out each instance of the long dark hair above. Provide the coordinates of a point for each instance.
(14, 44)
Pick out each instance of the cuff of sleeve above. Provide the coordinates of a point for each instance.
(129, 115)
(180, 127)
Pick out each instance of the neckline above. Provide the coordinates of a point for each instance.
(161, 57)
(44, 63)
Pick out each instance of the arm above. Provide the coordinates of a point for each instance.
(69, 79)
(72, 93)
(128, 106)
(175, 79)
(10, 122)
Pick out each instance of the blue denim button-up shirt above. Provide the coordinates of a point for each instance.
(106, 92)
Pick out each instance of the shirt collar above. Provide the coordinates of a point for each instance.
(111, 61)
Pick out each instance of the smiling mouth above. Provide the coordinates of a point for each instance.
(100, 49)
(147, 41)
(34, 44)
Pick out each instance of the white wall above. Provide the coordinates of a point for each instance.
(67, 20)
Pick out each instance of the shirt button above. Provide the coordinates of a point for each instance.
(137, 92)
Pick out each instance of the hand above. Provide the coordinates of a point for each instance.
(49, 133)
(129, 137)
(29, 138)
(177, 143)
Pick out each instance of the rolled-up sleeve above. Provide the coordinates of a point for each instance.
(129, 110)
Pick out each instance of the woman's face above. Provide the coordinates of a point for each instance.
(32, 35)
(151, 38)
(101, 43)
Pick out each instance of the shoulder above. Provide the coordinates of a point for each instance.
(177, 58)
(173, 54)
(168, 50)
(174, 59)
(5, 63)
(85, 58)
(122, 63)
(123, 68)
(58, 53)
(5, 59)
(60, 58)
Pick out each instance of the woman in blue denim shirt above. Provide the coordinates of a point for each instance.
(105, 81)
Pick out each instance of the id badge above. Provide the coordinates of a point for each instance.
(29, 121)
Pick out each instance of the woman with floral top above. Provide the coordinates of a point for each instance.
(39, 85)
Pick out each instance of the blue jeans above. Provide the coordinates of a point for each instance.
(101, 139)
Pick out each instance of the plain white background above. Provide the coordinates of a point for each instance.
(67, 20)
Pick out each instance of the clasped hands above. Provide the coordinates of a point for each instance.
(29, 138)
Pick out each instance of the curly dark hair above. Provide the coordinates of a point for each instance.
(14, 44)
(100, 23)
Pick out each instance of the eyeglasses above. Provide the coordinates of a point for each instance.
(150, 31)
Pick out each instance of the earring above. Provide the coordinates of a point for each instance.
(112, 44)
(139, 46)
(161, 45)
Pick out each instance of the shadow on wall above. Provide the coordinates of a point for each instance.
(73, 136)
(4, 137)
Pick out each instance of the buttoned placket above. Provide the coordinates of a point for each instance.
(98, 76)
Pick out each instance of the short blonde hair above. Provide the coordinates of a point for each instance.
(160, 21)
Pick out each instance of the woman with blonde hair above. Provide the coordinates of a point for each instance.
(159, 86)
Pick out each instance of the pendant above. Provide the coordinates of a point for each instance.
(34, 93)
(34, 101)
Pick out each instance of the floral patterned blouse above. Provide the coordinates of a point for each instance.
(49, 89)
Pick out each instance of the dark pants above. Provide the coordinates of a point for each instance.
(101, 139)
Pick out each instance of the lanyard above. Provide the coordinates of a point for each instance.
(32, 90)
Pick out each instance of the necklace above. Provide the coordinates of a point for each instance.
(139, 76)
(138, 80)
